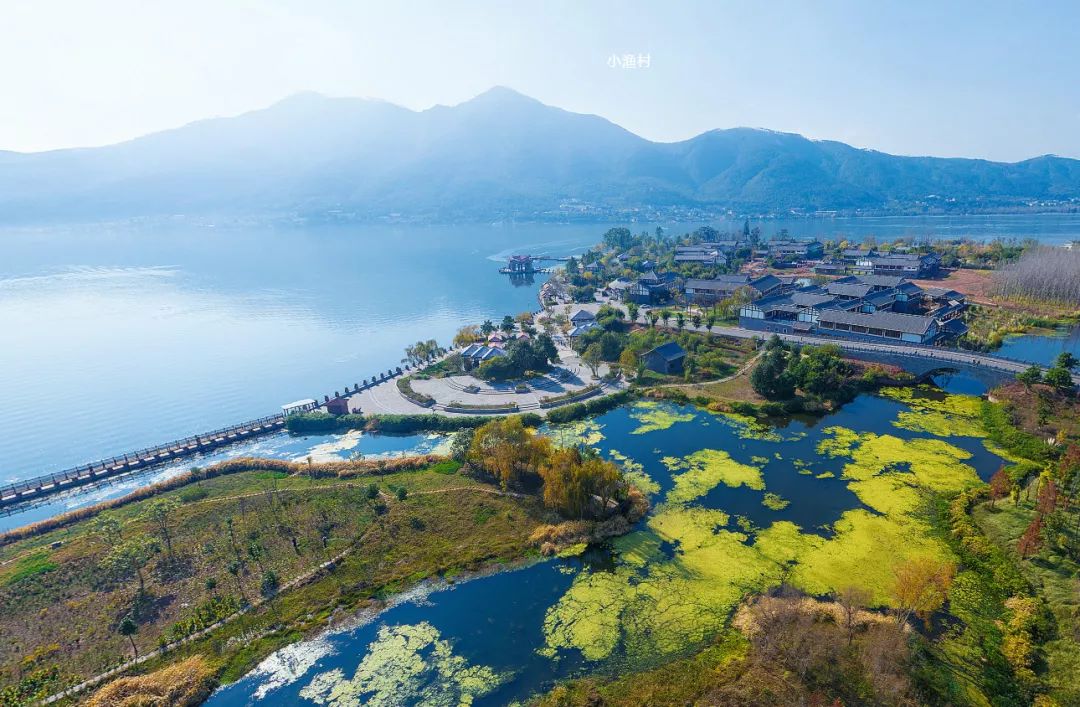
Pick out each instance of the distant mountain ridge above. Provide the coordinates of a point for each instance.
(498, 155)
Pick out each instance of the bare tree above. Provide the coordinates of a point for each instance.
(1041, 274)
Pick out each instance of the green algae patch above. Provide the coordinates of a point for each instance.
(406, 664)
(661, 608)
(635, 473)
(747, 427)
(891, 493)
(775, 502)
(783, 542)
(928, 398)
(936, 464)
(707, 468)
(638, 548)
(824, 475)
(690, 526)
(760, 461)
(864, 552)
(937, 413)
(938, 423)
(655, 416)
(572, 550)
(585, 433)
(838, 443)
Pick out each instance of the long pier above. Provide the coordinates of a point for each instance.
(49, 484)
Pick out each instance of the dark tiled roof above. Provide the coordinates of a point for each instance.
(880, 280)
(766, 283)
(848, 289)
(880, 298)
(810, 299)
(904, 323)
(670, 351)
(720, 283)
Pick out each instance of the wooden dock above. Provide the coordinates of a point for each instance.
(50, 484)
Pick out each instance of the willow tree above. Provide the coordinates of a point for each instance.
(508, 451)
(573, 480)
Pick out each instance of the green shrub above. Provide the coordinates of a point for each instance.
(576, 411)
(196, 493)
(450, 466)
(30, 566)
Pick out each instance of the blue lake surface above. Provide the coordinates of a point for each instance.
(1041, 348)
(116, 337)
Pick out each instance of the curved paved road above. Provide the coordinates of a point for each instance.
(968, 358)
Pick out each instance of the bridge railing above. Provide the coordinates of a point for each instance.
(89, 469)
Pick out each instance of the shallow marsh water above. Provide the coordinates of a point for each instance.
(737, 506)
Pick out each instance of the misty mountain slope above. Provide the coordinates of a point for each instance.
(498, 154)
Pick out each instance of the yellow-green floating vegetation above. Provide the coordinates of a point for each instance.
(654, 604)
(929, 398)
(938, 423)
(638, 548)
(667, 605)
(890, 493)
(747, 427)
(575, 434)
(635, 473)
(706, 468)
(760, 461)
(775, 502)
(825, 475)
(572, 550)
(936, 464)
(406, 664)
(654, 416)
(863, 552)
(937, 413)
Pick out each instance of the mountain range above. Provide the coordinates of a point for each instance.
(499, 155)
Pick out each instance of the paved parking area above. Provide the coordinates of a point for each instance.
(570, 375)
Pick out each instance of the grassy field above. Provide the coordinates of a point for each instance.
(1055, 578)
(234, 538)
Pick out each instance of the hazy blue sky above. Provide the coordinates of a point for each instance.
(982, 79)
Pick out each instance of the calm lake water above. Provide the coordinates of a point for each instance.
(500, 626)
(116, 337)
(1041, 348)
(119, 337)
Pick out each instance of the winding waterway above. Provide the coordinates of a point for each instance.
(737, 504)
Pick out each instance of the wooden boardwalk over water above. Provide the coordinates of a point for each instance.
(49, 484)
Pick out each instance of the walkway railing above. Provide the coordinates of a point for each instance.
(140, 459)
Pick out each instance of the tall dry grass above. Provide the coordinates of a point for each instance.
(186, 683)
(1041, 275)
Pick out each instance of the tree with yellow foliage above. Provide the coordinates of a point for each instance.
(921, 588)
(508, 451)
(579, 484)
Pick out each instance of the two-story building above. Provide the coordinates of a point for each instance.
(651, 289)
